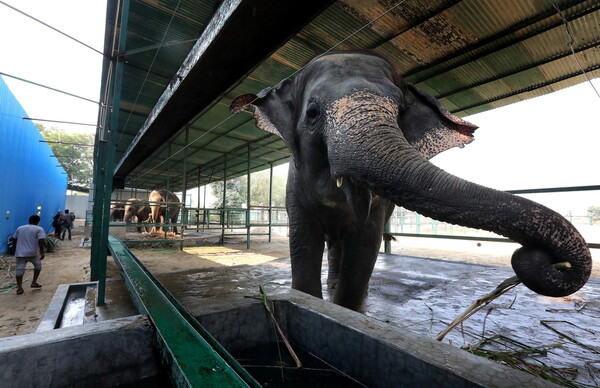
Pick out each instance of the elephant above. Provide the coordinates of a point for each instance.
(139, 209)
(159, 210)
(360, 140)
(117, 211)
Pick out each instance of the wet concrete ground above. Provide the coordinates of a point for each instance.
(424, 295)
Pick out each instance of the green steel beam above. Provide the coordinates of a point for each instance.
(270, 202)
(248, 199)
(104, 166)
(191, 355)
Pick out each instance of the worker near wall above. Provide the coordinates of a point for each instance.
(67, 224)
(30, 248)
(57, 223)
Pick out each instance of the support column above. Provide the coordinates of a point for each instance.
(184, 214)
(224, 215)
(198, 204)
(248, 199)
(270, 201)
(106, 140)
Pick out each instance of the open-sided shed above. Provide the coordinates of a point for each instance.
(172, 68)
(183, 62)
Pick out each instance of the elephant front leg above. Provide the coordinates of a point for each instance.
(355, 269)
(306, 252)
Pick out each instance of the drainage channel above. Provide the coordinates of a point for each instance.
(190, 354)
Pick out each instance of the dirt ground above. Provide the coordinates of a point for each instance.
(70, 263)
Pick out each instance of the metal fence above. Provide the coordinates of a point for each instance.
(260, 221)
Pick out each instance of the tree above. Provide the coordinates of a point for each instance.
(73, 153)
(259, 191)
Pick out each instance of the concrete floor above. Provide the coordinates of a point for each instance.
(423, 295)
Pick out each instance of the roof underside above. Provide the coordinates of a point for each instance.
(472, 55)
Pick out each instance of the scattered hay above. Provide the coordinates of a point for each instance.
(520, 356)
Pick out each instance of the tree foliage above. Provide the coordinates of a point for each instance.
(259, 191)
(73, 154)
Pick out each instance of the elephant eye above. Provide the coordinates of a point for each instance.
(313, 112)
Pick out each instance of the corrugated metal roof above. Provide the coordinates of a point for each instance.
(473, 55)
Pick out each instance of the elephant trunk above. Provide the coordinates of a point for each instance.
(365, 143)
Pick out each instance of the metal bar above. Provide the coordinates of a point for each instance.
(248, 199)
(67, 156)
(64, 142)
(103, 187)
(451, 237)
(555, 190)
(193, 357)
(61, 122)
(471, 238)
(49, 26)
(185, 177)
(270, 202)
(49, 88)
(223, 216)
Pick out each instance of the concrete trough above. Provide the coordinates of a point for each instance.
(112, 353)
(371, 352)
(121, 351)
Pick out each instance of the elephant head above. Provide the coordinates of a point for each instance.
(138, 209)
(360, 139)
(164, 212)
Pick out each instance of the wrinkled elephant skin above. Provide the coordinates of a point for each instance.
(170, 208)
(138, 210)
(360, 142)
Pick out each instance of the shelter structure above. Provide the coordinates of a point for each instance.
(172, 68)
(31, 181)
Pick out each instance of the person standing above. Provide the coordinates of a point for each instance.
(31, 240)
(68, 224)
(57, 222)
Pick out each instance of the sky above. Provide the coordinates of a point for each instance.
(550, 141)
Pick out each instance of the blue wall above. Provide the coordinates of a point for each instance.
(28, 174)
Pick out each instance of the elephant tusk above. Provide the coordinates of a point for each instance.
(339, 181)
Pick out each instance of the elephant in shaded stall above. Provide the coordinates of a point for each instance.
(117, 212)
(138, 210)
(360, 140)
(161, 210)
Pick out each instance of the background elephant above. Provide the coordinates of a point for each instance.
(160, 210)
(117, 211)
(360, 140)
(137, 209)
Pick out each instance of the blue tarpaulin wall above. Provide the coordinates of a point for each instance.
(30, 182)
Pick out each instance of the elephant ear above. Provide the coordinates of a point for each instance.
(429, 126)
(273, 112)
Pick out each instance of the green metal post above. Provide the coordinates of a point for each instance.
(270, 201)
(184, 194)
(248, 201)
(223, 217)
(105, 168)
(198, 211)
